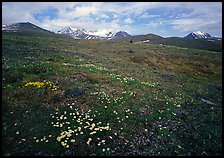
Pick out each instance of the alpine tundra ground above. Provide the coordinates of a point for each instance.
(62, 96)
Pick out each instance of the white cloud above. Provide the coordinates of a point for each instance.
(200, 15)
(146, 16)
(115, 16)
(128, 21)
(105, 16)
(190, 25)
(153, 24)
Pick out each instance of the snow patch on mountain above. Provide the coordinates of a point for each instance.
(145, 41)
(99, 34)
(198, 35)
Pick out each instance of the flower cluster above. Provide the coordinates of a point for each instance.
(75, 124)
(149, 84)
(42, 85)
(94, 67)
(106, 99)
(130, 80)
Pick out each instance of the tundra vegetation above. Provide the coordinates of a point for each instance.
(62, 96)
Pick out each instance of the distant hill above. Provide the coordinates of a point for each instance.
(196, 40)
(24, 27)
(212, 44)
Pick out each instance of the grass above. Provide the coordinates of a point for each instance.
(139, 99)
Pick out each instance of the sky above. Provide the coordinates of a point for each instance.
(167, 19)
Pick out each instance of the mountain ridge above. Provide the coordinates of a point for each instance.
(209, 43)
(84, 34)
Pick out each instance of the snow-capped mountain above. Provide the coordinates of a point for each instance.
(84, 34)
(66, 30)
(198, 35)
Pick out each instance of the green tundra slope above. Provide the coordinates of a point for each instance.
(62, 96)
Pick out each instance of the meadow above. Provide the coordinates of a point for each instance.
(62, 96)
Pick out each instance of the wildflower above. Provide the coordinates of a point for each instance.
(89, 140)
(126, 116)
(105, 107)
(59, 139)
(17, 132)
(34, 137)
(81, 132)
(103, 150)
(37, 140)
(146, 130)
(110, 137)
(92, 133)
(73, 140)
(108, 149)
(103, 141)
(79, 128)
(23, 139)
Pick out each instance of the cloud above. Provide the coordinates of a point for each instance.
(190, 25)
(128, 21)
(147, 16)
(104, 16)
(115, 16)
(153, 24)
(108, 15)
(13, 12)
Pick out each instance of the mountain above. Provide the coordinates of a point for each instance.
(23, 27)
(122, 34)
(102, 34)
(139, 38)
(204, 40)
(198, 35)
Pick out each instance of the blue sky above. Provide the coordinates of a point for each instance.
(166, 19)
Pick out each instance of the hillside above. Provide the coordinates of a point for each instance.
(67, 97)
(204, 44)
(195, 40)
(24, 27)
